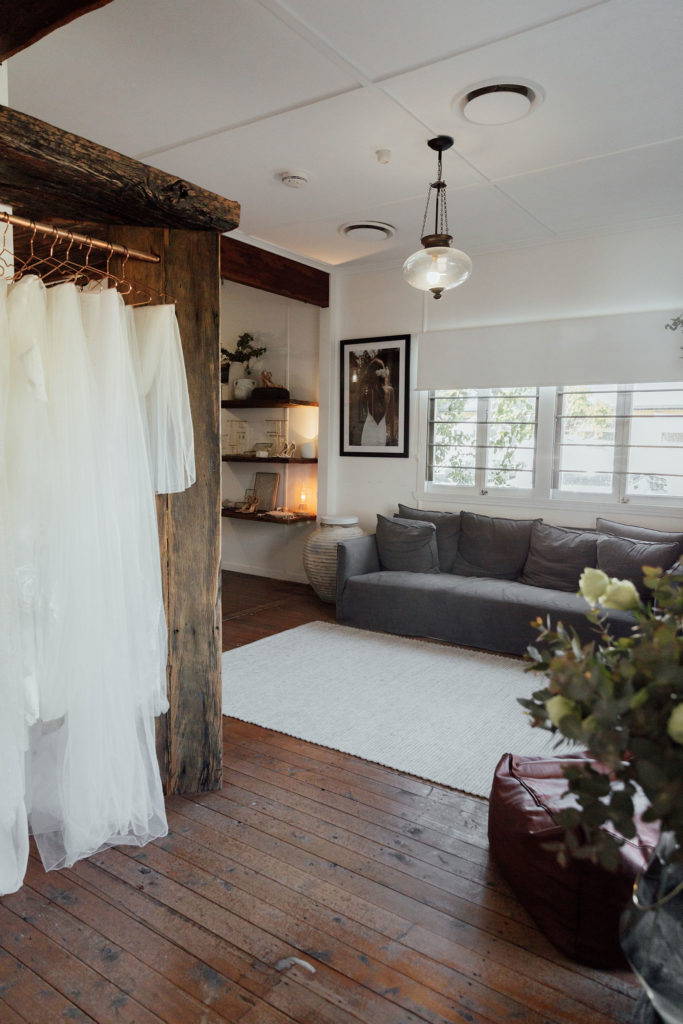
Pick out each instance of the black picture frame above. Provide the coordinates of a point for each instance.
(374, 420)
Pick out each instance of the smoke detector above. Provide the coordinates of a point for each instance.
(368, 230)
(495, 103)
(294, 179)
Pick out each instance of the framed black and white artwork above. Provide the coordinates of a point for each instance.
(375, 396)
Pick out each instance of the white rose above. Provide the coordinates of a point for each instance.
(675, 724)
(559, 707)
(620, 594)
(592, 584)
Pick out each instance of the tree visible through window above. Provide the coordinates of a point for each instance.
(483, 438)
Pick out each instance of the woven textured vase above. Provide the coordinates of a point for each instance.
(320, 553)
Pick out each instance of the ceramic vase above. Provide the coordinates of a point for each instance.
(243, 388)
(320, 553)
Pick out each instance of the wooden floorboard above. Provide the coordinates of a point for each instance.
(379, 881)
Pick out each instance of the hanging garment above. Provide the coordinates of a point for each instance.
(13, 736)
(123, 451)
(93, 774)
(167, 402)
(29, 466)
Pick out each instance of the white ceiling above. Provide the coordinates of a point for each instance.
(228, 93)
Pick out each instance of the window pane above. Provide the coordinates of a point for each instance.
(511, 438)
(655, 455)
(586, 434)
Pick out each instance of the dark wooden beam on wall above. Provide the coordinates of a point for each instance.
(258, 268)
(55, 174)
(23, 22)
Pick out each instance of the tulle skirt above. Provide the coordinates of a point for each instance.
(90, 669)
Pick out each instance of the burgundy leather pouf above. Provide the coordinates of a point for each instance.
(577, 907)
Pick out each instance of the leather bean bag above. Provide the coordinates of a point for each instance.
(577, 907)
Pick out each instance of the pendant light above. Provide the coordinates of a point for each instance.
(437, 267)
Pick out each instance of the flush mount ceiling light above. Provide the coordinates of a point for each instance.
(494, 103)
(437, 267)
(368, 230)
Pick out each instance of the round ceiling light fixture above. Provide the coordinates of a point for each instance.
(368, 230)
(496, 103)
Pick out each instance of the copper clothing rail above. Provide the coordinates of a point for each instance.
(94, 243)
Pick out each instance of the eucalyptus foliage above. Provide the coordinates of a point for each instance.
(244, 352)
(622, 701)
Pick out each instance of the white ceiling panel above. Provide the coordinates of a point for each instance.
(335, 142)
(611, 76)
(139, 76)
(480, 219)
(385, 37)
(607, 192)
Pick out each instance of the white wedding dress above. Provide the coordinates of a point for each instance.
(164, 386)
(83, 638)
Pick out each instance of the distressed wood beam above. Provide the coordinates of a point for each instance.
(25, 22)
(258, 268)
(55, 174)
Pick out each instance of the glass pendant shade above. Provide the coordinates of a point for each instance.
(437, 269)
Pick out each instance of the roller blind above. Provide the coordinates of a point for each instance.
(628, 347)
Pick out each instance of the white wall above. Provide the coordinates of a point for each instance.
(290, 331)
(626, 272)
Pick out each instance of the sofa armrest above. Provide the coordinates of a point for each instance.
(355, 557)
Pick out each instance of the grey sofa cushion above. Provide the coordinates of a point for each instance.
(447, 530)
(492, 547)
(625, 558)
(492, 614)
(640, 533)
(557, 557)
(405, 545)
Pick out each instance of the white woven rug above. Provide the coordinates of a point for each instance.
(443, 713)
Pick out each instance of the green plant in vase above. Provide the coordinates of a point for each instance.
(245, 350)
(622, 701)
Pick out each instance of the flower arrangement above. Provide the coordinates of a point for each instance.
(244, 352)
(621, 700)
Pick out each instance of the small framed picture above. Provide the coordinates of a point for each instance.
(375, 398)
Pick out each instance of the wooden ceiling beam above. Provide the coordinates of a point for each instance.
(47, 174)
(26, 21)
(258, 268)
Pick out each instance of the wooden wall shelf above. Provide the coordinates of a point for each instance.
(271, 458)
(249, 403)
(265, 517)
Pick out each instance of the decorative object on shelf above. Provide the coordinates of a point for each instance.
(375, 379)
(266, 486)
(243, 353)
(623, 701)
(320, 553)
(437, 267)
(266, 391)
(308, 449)
(262, 449)
(234, 437)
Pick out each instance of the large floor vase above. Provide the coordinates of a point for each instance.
(320, 553)
(652, 931)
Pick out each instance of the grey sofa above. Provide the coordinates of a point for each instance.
(472, 610)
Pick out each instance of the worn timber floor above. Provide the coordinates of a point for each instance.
(379, 881)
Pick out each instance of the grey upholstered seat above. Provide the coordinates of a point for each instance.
(492, 614)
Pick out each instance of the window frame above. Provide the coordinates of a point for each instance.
(544, 495)
(481, 444)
